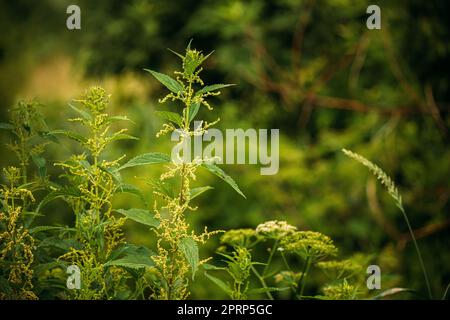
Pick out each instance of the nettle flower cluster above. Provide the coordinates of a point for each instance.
(295, 253)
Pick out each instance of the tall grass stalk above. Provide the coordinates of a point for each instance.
(392, 189)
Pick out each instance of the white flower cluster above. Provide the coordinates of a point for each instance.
(275, 229)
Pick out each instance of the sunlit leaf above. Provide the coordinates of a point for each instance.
(221, 174)
(170, 83)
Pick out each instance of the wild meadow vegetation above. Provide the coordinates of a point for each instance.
(89, 185)
(35, 257)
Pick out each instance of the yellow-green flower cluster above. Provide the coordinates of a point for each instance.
(239, 268)
(309, 245)
(341, 291)
(340, 269)
(239, 237)
(275, 229)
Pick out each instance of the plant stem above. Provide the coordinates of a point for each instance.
(422, 265)
(302, 281)
(445, 292)
(272, 252)
(263, 282)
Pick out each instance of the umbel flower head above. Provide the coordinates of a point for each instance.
(239, 237)
(309, 245)
(341, 291)
(275, 229)
(340, 269)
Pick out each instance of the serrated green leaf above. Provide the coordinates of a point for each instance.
(222, 285)
(83, 113)
(131, 257)
(195, 192)
(171, 116)
(146, 158)
(193, 110)
(190, 250)
(140, 215)
(176, 53)
(118, 118)
(63, 244)
(222, 175)
(44, 228)
(123, 136)
(128, 188)
(72, 135)
(213, 87)
(170, 83)
(60, 193)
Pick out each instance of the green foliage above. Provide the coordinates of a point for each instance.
(177, 245)
(17, 201)
(268, 277)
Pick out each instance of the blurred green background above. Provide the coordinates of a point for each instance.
(310, 68)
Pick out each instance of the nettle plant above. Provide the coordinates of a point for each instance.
(17, 201)
(92, 181)
(177, 253)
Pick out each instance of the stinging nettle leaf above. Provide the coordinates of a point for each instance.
(193, 110)
(171, 116)
(195, 192)
(190, 250)
(118, 118)
(170, 83)
(222, 285)
(128, 188)
(146, 158)
(60, 193)
(83, 113)
(222, 175)
(123, 136)
(176, 53)
(132, 257)
(213, 87)
(140, 215)
(72, 135)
